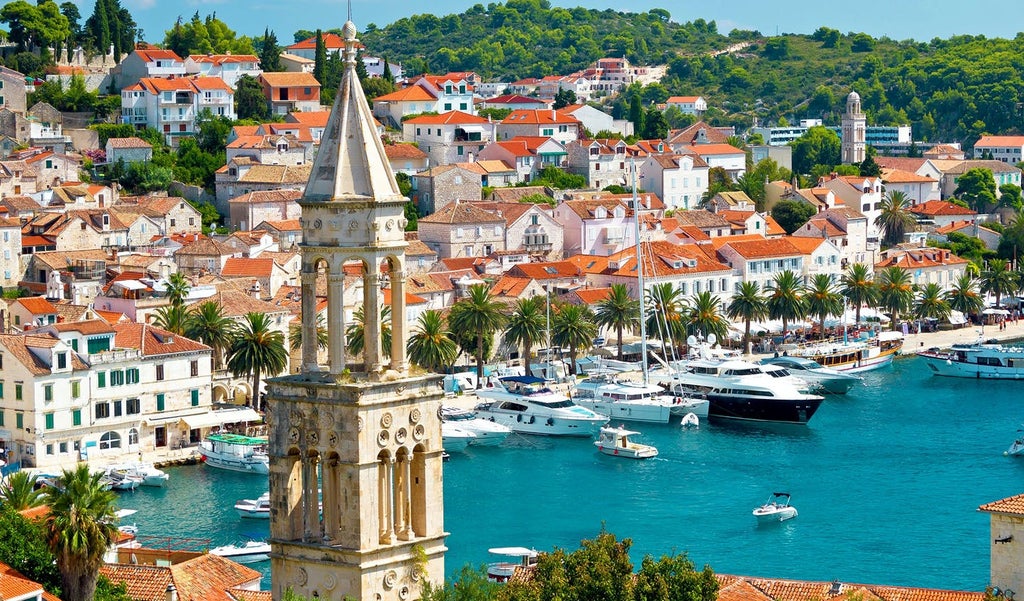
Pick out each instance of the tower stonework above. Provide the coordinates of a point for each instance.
(854, 126)
(355, 449)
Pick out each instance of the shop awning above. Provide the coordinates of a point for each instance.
(162, 419)
(221, 417)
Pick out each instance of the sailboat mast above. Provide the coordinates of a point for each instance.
(639, 274)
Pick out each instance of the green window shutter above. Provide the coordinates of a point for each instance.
(76, 389)
(74, 345)
(49, 421)
(17, 392)
(160, 401)
(101, 379)
(76, 417)
(19, 420)
(195, 398)
(1, 390)
(1, 418)
(48, 392)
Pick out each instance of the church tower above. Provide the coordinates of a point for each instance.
(355, 449)
(854, 145)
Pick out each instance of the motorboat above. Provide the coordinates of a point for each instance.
(1016, 449)
(740, 390)
(454, 438)
(690, 420)
(249, 552)
(627, 400)
(828, 380)
(616, 442)
(487, 432)
(130, 529)
(527, 405)
(121, 480)
(777, 509)
(258, 509)
(151, 475)
(852, 355)
(980, 360)
(517, 557)
(236, 452)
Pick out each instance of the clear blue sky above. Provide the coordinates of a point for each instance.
(899, 19)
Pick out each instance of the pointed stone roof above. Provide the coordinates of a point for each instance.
(351, 163)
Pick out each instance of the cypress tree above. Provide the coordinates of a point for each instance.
(387, 71)
(100, 27)
(270, 53)
(320, 59)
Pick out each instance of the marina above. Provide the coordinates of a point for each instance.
(883, 454)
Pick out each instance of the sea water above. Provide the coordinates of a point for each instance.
(887, 480)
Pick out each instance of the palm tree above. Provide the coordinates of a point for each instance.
(618, 310)
(79, 529)
(573, 326)
(295, 334)
(526, 326)
(964, 297)
(998, 279)
(786, 300)
(431, 345)
(173, 318)
(931, 302)
(822, 299)
(19, 492)
(702, 316)
(895, 218)
(895, 292)
(747, 304)
(257, 349)
(177, 288)
(858, 287)
(208, 324)
(665, 314)
(354, 332)
(480, 315)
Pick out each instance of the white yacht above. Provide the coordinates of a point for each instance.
(249, 552)
(981, 361)
(487, 432)
(616, 442)
(454, 438)
(634, 401)
(527, 405)
(258, 509)
(812, 372)
(151, 476)
(236, 453)
(740, 390)
(777, 509)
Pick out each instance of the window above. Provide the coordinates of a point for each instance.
(74, 345)
(132, 375)
(117, 408)
(160, 372)
(547, 132)
(49, 421)
(102, 410)
(195, 398)
(447, 106)
(49, 449)
(17, 392)
(133, 407)
(116, 377)
(63, 447)
(1, 418)
(195, 368)
(76, 417)
(160, 401)
(19, 420)
(48, 392)
(110, 440)
(133, 436)
(97, 345)
(101, 379)
(62, 360)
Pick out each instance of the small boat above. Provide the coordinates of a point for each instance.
(454, 438)
(987, 360)
(488, 433)
(501, 571)
(690, 420)
(528, 405)
(236, 453)
(777, 509)
(826, 379)
(250, 552)
(151, 476)
(121, 480)
(616, 442)
(130, 529)
(1017, 448)
(258, 509)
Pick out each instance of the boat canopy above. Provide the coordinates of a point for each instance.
(221, 417)
(523, 379)
(237, 439)
(513, 551)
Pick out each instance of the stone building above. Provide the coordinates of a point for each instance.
(368, 436)
(854, 145)
(437, 187)
(1006, 559)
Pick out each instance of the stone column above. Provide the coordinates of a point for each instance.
(383, 490)
(331, 494)
(406, 532)
(371, 322)
(309, 338)
(400, 516)
(336, 321)
(308, 473)
(389, 501)
(398, 325)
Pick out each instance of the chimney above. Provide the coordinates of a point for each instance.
(171, 594)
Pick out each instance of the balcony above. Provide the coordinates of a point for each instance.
(115, 356)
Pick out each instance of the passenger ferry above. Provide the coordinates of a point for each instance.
(855, 356)
(980, 360)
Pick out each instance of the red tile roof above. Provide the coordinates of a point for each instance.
(130, 142)
(1010, 505)
(290, 80)
(538, 117)
(403, 151)
(764, 248)
(451, 117)
(37, 305)
(153, 341)
(409, 94)
(921, 258)
(331, 40)
(13, 584)
(246, 267)
(1000, 142)
(940, 207)
(149, 55)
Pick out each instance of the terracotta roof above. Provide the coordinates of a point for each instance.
(671, 161)
(403, 151)
(416, 248)
(772, 227)
(514, 99)
(152, 54)
(206, 247)
(592, 296)
(805, 244)
(661, 259)
(262, 196)
(285, 225)
(465, 213)
(310, 118)
(153, 341)
(246, 267)
(711, 149)
(1010, 505)
(455, 263)
(689, 134)
(765, 248)
(18, 345)
(289, 79)
(965, 166)
(700, 218)
(110, 317)
(88, 327)
(451, 117)
(911, 164)
(898, 176)
(36, 305)
(13, 584)
(682, 99)
(961, 225)
(236, 304)
(548, 270)
(238, 594)
(131, 142)
(510, 211)
(1000, 141)
(920, 258)
(516, 194)
(510, 286)
(220, 59)
(940, 207)
(277, 174)
(203, 578)
(246, 130)
(538, 117)
(409, 94)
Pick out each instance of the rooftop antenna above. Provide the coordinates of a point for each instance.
(349, 10)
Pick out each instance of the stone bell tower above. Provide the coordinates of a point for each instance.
(854, 126)
(355, 449)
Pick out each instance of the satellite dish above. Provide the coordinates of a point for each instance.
(712, 339)
(691, 340)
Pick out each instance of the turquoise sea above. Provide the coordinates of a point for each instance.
(887, 480)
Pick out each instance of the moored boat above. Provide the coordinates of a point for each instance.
(616, 442)
(827, 379)
(501, 571)
(249, 552)
(454, 438)
(980, 360)
(258, 509)
(852, 356)
(777, 509)
(236, 453)
(634, 401)
(527, 405)
(150, 475)
(485, 431)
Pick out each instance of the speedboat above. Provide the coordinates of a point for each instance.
(633, 401)
(501, 571)
(454, 438)
(527, 405)
(258, 509)
(852, 356)
(777, 509)
(740, 390)
(487, 432)
(981, 360)
(151, 476)
(1017, 448)
(616, 442)
(690, 420)
(236, 453)
(250, 552)
(827, 379)
(121, 480)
